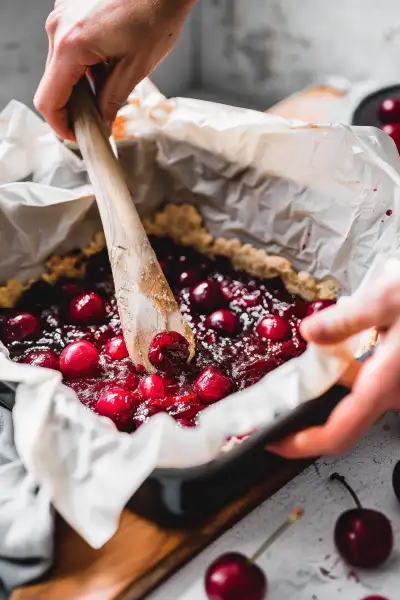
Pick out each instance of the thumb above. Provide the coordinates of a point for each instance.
(115, 90)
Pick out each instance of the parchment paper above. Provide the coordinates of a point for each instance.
(325, 197)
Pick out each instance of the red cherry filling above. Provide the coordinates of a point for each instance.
(273, 327)
(43, 358)
(152, 386)
(233, 576)
(318, 305)
(116, 348)
(224, 321)
(212, 385)
(71, 289)
(118, 405)
(189, 278)
(87, 308)
(363, 537)
(389, 110)
(167, 350)
(79, 359)
(20, 327)
(207, 296)
(393, 129)
(223, 313)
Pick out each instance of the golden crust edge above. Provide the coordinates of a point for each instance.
(184, 224)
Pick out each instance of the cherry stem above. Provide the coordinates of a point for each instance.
(295, 515)
(342, 480)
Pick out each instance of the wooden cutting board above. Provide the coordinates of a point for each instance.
(141, 555)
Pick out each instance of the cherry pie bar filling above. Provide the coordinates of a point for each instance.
(244, 325)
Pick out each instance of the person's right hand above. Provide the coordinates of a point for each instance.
(130, 36)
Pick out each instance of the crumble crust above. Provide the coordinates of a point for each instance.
(183, 223)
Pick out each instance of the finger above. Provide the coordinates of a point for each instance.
(351, 419)
(380, 376)
(344, 320)
(116, 89)
(55, 90)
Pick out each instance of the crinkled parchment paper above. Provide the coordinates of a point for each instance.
(326, 197)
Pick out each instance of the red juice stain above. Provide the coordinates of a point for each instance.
(389, 212)
(375, 190)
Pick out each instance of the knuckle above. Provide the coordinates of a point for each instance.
(51, 23)
(38, 103)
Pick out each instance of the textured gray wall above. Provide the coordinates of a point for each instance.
(269, 48)
(23, 49)
(259, 50)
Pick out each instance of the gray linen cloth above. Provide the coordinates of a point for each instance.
(26, 517)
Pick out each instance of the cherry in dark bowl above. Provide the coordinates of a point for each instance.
(244, 327)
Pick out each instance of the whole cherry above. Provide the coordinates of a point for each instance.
(233, 576)
(207, 296)
(19, 327)
(363, 537)
(274, 328)
(318, 305)
(116, 348)
(71, 289)
(212, 385)
(389, 110)
(79, 359)
(168, 349)
(393, 129)
(396, 480)
(118, 405)
(189, 278)
(43, 358)
(224, 321)
(375, 598)
(87, 308)
(152, 386)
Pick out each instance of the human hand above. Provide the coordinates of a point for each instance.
(377, 386)
(130, 36)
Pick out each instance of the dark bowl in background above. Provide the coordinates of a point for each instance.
(366, 113)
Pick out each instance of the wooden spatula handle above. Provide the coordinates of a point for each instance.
(145, 301)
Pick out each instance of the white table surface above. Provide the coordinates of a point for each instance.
(303, 564)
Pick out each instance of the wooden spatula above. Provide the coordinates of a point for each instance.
(145, 301)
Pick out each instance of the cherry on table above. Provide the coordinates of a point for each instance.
(79, 359)
(224, 321)
(233, 576)
(363, 537)
(396, 480)
(207, 296)
(43, 358)
(19, 327)
(87, 308)
(212, 385)
(274, 328)
(168, 349)
(375, 598)
(389, 110)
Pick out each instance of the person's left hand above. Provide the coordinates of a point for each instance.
(377, 386)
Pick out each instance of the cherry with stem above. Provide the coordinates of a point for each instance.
(363, 537)
(234, 576)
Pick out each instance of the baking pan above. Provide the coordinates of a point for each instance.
(183, 497)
